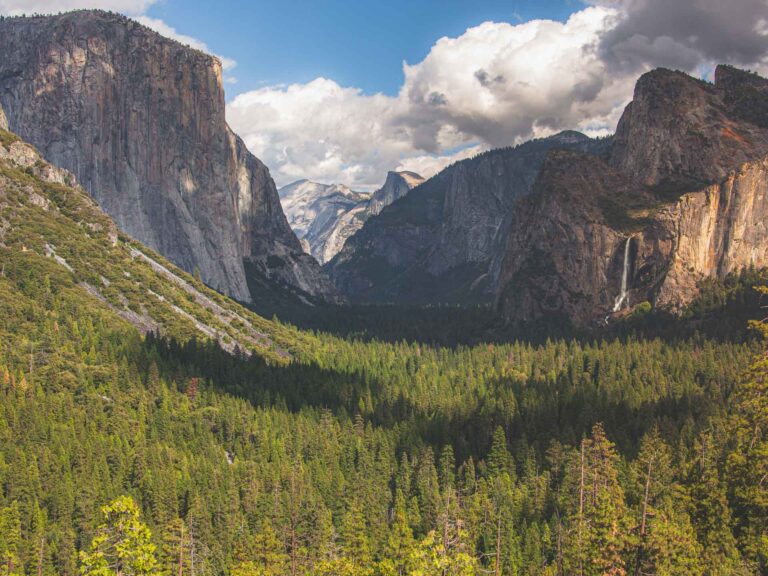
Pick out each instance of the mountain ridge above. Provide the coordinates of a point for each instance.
(50, 226)
(443, 242)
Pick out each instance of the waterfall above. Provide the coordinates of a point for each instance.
(623, 297)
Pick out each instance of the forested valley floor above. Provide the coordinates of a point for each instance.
(639, 448)
(618, 456)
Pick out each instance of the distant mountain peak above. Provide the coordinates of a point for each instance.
(324, 216)
(570, 137)
(411, 179)
(443, 242)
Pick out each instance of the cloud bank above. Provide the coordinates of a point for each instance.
(495, 85)
(683, 34)
(492, 86)
(227, 64)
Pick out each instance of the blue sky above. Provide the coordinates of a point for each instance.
(357, 43)
(343, 91)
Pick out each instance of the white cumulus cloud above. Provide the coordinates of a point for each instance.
(429, 164)
(496, 84)
(322, 130)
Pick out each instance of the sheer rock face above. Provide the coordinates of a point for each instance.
(444, 241)
(397, 185)
(319, 213)
(561, 255)
(716, 231)
(686, 183)
(682, 133)
(139, 119)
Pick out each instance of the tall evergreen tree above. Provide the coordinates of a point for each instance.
(122, 545)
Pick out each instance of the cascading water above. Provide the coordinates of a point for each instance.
(623, 297)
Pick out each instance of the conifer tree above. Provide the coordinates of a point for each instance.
(499, 461)
(748, 463)
(598, 535)
(354, 536)
(10, 541)
(122, 545)
(269, 552)
(400, 543)
(177, 549)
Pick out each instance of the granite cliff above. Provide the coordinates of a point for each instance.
(682, 196)
(443, 242)
(139, 120)
(397, 185)
(51, 228)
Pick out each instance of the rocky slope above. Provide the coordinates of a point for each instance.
(139, 119)
(54, 237)
(326, 215)
(683, 195)
(444, 241)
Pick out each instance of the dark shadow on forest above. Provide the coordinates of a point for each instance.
(533, 413)
(724, 320)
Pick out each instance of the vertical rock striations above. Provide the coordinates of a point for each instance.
(139, 119)
(317, 211)
(686, 184)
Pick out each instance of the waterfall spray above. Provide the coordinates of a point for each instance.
(623, 297)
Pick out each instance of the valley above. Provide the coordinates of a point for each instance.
(545, 359)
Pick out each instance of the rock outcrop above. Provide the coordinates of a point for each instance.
(326, 215)
(397, 185)
(445, 240)
(685, 184)
(139, 119)
(680, 133)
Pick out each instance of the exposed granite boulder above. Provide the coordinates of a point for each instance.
(139, 119)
